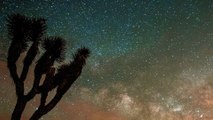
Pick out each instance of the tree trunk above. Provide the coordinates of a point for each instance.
(42, 110)
(19, 108)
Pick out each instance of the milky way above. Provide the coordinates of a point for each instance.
(151, 59)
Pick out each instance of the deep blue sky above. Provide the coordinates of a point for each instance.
(113, 27)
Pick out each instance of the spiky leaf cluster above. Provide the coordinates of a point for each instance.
(55, 47)
(38, 28)
(79, 60)
(72, 70)
(81, 55)
(18, 30)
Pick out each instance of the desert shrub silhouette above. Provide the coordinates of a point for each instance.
(22, 31)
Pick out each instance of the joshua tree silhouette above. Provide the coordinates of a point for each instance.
(22, 31)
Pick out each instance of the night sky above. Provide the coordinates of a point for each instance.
(151, 59)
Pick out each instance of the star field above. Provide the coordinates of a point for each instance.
(151, 59)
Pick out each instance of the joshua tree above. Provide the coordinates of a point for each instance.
(22, 31)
